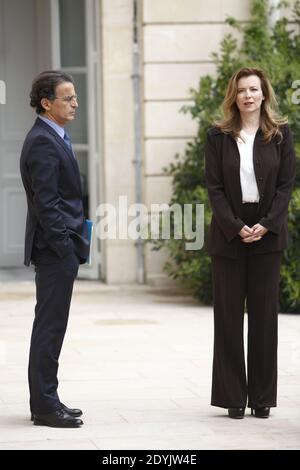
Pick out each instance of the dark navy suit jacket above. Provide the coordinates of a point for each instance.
(274, 168)
(55, 221)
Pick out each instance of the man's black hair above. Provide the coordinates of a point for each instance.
(44, 86)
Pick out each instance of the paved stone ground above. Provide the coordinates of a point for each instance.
(137, 360)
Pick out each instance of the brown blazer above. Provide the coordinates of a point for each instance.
(274, 166)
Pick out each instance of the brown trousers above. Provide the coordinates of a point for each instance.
(253, 278)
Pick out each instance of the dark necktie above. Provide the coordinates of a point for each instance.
(68, 142)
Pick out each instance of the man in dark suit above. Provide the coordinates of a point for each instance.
(56, 239)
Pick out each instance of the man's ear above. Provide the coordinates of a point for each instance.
(45, 104)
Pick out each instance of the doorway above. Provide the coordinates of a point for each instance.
(37, 35)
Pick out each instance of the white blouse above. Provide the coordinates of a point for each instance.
(248, 181)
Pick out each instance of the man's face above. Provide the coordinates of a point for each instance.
(63, 108)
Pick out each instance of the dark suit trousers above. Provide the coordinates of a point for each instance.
(254, 279)
(54, 286)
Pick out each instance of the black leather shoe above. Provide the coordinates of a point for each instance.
(75, 412)
(263, 412)
(236, 413)
(57, 419)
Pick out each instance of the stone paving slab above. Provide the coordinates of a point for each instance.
(137, 360)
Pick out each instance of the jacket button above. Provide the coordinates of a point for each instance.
(260, 178)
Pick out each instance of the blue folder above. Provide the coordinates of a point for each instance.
(89, 226)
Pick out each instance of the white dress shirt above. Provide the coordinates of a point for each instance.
(247, 176)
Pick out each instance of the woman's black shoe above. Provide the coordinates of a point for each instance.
(236, 413)
(263, 412)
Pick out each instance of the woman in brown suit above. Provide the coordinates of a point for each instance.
(250, 170)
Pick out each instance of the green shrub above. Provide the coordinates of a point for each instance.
(277, 51)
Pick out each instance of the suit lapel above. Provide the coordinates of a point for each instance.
(258, 163)
(236, 181)
(64, 146)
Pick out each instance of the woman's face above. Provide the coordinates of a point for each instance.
(249, 94)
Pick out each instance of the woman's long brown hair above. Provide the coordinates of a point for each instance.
(270, 120)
